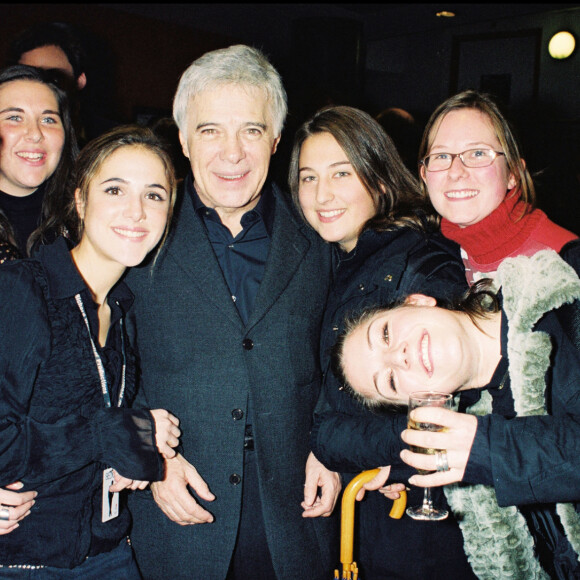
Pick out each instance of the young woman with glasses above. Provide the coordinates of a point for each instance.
(473, 173)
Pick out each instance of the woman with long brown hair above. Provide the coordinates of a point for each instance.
(68, 373)
(351, 186)
(37, 152)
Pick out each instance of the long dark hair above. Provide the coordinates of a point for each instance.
(54, 199)
(6, 232)
(375, 160)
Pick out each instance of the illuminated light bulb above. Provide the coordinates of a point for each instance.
(561, 45)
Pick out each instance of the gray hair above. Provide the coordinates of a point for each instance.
(238, 64)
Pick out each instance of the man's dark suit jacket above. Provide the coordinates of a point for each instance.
(200, 362)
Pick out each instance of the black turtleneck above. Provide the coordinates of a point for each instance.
(23, 213)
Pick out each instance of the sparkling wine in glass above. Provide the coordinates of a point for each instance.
(426, 511)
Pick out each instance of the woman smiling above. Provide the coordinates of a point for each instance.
(38, 148)
(474, 175)
(352, 188)
(67, 370)
(515, 363)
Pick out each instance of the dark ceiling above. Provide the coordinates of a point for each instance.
(269, 25)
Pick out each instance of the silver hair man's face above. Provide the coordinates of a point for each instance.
(229, 139)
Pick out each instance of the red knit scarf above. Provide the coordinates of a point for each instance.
(499, 234)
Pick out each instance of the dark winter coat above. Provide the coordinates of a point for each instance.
(349, 438)
(56, 435)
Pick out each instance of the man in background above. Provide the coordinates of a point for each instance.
(56, 46)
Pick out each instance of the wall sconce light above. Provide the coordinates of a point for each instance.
(561, 45)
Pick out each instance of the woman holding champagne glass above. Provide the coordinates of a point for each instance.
(427, 511)
(515, 358)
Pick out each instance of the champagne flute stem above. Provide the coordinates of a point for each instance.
(427, 502)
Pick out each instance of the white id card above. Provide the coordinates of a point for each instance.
(110, 498)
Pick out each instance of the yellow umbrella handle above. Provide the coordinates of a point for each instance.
(347, 514)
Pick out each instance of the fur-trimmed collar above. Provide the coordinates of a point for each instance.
(497, 540)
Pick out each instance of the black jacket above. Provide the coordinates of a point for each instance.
(349, 438)
(199, 359)
(56, 436)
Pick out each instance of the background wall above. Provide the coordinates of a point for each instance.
(136, 60)
(394, 63)
(394, 55)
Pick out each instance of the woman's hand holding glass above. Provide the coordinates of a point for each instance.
(427, 511)
(456, 438)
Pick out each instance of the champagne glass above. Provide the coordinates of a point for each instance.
(426, 511)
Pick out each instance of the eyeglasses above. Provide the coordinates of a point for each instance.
(470, 158)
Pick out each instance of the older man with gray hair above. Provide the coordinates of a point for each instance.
(227, 325)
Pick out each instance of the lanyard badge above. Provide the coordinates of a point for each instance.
(110, 501)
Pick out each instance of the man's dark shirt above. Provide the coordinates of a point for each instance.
(242, 258)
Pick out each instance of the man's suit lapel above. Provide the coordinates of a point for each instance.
(191, 251)
(288, 248)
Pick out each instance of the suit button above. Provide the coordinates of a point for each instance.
(248, 344)
(237, 414)
(235, 479)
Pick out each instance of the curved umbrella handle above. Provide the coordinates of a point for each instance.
(347, 514)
